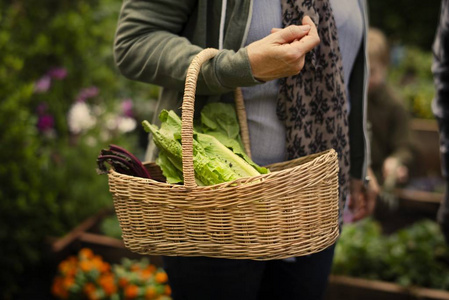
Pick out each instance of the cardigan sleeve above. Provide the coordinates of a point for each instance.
(149, 47)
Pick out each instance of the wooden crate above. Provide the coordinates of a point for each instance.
(349, 288)
(86, 234)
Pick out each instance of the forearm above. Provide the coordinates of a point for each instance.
(149, 47)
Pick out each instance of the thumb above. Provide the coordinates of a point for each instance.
(290, 33)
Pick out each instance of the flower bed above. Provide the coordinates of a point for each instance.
(87, 276)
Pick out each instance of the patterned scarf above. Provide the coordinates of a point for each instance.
(313, 104)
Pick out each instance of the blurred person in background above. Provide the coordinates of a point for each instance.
(391, 143)
(440, 105)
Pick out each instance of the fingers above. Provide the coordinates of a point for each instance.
(289, 34)
(308, 21)
(366, 207)
(357, 203)
(311, 40)
(363, 199)
(360, 211)
(281, 54)
(357, 206)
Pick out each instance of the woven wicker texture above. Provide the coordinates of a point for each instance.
(292, 211)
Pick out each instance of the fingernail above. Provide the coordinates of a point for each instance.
(305, 28)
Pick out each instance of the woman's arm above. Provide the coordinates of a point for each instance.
(149, 47)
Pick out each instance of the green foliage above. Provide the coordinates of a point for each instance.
(54, 53)
(411, 73)
(407, 21)
(110, 226)
(416, 255)
(360, 243)
(412, 78)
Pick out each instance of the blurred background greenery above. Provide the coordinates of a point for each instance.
(62, 100)
(410, 29)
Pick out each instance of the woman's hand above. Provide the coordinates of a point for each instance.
(282, 53)
(363, 199)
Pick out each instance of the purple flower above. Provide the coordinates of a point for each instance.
(45, 123)
(43, 84)
(127, 108)
(57, 73)
(87, 93)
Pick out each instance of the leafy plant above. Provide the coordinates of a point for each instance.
(411, 76)
(416, 255)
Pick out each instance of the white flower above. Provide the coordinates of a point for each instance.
(119, 123)
(126, 124)
(91, 141)
(110, 121)
(80, 118)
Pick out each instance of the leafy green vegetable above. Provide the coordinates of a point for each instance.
(220, 121)
(220, 117)
(213, 161)
(237, 147)
(216, 150)
(171, 173)
(208, 171)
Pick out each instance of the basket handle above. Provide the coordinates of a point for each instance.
(188, 104)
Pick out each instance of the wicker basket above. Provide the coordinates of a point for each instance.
(292, 211)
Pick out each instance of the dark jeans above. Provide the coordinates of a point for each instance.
(198, 278)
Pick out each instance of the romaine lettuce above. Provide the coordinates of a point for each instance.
(218, 155)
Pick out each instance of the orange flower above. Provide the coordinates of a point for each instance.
(135, 267)
(151, 268)
(150, 293)
(161, 277)
(86, 253)
(122, 282)
(58, 289)
(68, 267)
(131, 291)
(108, 284)
(105, 267)
(146, 274)
(99, 264)
(167, 290)
(89, 288)
(93, 296)
(86, 265)
(68, 282)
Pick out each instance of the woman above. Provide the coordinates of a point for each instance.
(155, 43)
